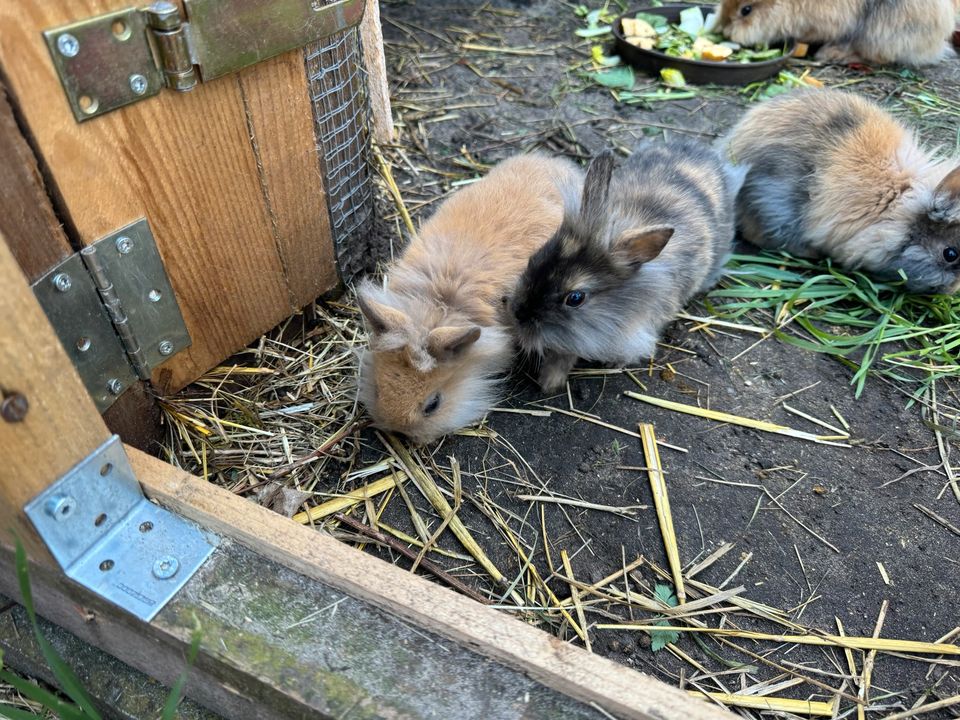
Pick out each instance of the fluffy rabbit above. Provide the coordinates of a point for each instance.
(908, 32)
(627, 260)
(832, 174)
(437, 335)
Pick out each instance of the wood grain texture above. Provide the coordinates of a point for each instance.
(27, 218)
(290, 175)
(183, 160)
(62, 425)
(566, 668)
(371, 35)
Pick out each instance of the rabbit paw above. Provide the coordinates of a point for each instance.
(554, 371)
(837, 55)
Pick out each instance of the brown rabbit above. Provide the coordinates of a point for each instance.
(832, 174)
(437, 339)
(907, 32)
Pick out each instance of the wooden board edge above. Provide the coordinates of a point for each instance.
(371, 36)
(563, 667)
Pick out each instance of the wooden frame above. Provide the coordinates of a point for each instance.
(62, 426)
(63, 172)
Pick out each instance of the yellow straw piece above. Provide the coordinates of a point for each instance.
(738, 420)
(759, 702)
(430, 491)
(339, 504)
(661, 502)
(847, 641)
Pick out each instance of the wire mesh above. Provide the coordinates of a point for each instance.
(341, 115)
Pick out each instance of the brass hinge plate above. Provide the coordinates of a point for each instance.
(105, 62)
(112, 60)
(114, 311)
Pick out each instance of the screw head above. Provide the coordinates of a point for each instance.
(124, 245)
(14, 407)
(68, 45)
(138, 83)
(154, 296)
(165, 347)
(60, 507)
(166, 567)
(115, 386)
(62, 282)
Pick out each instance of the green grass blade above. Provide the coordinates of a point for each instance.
(65, 677)
(40, 695)
(173, 699)
(16, 714)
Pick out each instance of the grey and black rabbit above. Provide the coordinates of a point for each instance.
(643, 240)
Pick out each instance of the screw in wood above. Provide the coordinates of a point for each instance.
(62, 282)
(165, 347)
(125, 244)
(14, 407)
(115, 386)
(138, 83)
(166, 567)
(68, 45)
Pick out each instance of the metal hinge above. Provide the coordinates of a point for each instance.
(113, 308)
(112, 60)
(108, 537)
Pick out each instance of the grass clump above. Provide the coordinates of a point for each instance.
(870, 326)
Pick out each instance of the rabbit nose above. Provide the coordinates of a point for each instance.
(522, 313)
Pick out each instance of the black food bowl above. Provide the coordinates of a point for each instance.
(694, 71)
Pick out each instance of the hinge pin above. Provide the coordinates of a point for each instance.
(169, 33)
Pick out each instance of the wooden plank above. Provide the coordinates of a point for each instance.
(27, 218)
(558, 665)
(290, 174)
(277, 644)
(118, 691)
(61, 426)
(183, 160)
(378, 89)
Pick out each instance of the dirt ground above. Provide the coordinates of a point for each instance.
(823, 532)
(448, 113)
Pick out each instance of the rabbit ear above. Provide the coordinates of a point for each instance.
(381, 318)
(642, 245)
(596, 185)
(950, 185)
(444, 343)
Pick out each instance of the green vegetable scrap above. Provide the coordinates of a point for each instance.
(619, 77)
(659, 639)
(693, 38)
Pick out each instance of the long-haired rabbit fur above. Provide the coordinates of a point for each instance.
(437, 337)
(831, 174)
(626, 261)
(908, 32)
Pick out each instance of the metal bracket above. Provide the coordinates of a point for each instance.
(114, 311)
(108, 537)
(112, 60)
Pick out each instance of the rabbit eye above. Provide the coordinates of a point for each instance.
(950, 254)
(575, 298)
(432, 404)
(746, 10)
